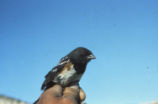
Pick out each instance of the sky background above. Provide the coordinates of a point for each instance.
(122, 34)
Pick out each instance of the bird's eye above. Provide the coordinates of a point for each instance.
(83, 53)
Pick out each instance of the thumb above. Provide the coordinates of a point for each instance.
(56, 90)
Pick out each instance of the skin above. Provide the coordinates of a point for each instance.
(56, 95)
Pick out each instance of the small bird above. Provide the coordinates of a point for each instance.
(69, 69)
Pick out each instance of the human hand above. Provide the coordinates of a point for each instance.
(56, 95)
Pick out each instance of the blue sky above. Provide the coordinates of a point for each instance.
(123, 35)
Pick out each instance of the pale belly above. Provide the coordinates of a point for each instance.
(68, 77)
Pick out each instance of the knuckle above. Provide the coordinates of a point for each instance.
(68, 101)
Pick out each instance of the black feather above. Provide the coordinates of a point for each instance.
(50, 76)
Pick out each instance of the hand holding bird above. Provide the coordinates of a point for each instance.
(58, 95)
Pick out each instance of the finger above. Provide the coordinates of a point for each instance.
(82, 95)
(56, 90)
(51, 95)
(72, 92)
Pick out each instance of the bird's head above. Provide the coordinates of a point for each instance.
(81, 56)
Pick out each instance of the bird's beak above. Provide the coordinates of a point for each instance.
(91, 57)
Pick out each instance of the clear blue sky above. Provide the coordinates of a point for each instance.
(123, 35)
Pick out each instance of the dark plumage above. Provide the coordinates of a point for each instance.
(69, 69)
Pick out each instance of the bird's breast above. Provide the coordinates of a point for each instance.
(67, 75)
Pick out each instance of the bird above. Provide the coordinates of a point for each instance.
(69, 70)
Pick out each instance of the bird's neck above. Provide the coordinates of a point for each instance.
(80, 68)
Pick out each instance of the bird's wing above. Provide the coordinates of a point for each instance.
(52, 74)
(50, 77)
(63, 60)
